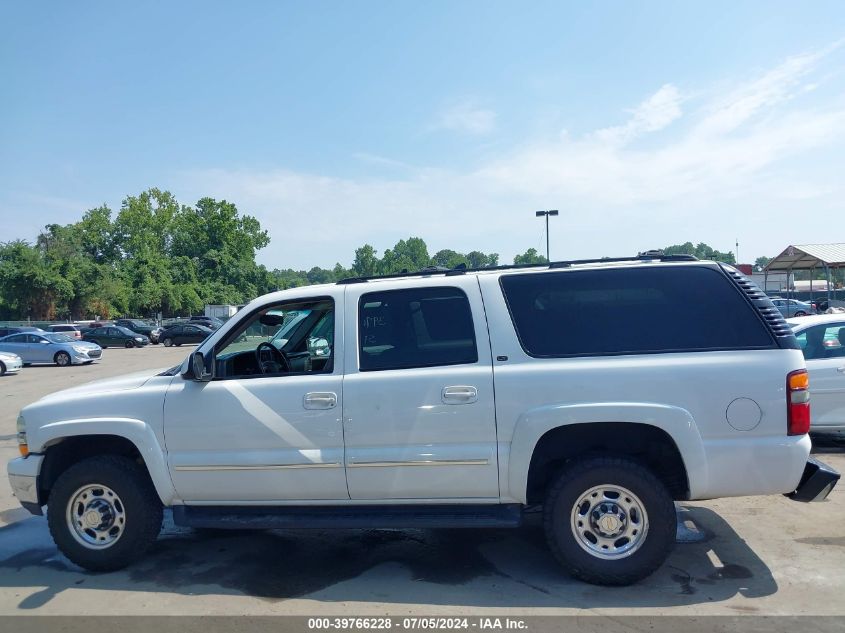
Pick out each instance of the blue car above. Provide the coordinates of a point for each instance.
(48, 347)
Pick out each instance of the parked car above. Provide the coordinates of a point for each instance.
(5, 331)
(73, 331)
(822, 341)
(115, 336)
(10, 363)
(620, 387)
(186, 333)
(212, 323)
(50, 347)
(793, 307)
(141, 327)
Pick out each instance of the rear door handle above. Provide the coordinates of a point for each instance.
(320, 400)
(459, 394)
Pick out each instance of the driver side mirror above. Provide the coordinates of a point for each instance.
(201, 372)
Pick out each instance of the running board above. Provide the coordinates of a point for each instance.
(349, 517)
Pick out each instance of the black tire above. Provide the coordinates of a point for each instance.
(139, 499)
(62, 359)
(575, 480)
(2, 369)
(800, 313)
(167, 342)
(129, 344)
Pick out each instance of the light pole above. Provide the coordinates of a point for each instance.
(547, 214)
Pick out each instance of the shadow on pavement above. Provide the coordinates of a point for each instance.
(481, 568)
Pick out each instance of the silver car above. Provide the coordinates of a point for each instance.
(47, 347)
(10, 363)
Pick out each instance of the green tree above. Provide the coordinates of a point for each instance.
(700, 250)
(366, 262)
(531, 256)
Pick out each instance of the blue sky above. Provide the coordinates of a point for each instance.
(339, 123)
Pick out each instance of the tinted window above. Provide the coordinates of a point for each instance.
(631, 311)
(18, 338)
(823, 341)
(420, 327)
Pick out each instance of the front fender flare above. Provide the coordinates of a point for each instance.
(678, 423)
(136, 431)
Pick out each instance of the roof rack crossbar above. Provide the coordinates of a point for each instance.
(462, 269)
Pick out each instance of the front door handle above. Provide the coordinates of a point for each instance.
(320, 400)
(462, 394)
(841, 370)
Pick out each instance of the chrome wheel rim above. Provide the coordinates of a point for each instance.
(96, 516)
(609, 522)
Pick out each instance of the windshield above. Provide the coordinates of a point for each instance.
(59, 338)
(291, 320)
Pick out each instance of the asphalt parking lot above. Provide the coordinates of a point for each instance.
(751, 555)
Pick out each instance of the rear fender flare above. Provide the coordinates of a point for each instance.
(678, 423)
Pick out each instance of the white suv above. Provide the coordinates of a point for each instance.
(602, 390)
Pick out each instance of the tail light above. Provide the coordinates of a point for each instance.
(797, 402)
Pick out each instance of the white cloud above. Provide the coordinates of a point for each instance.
(653, 114)
(716, 170)
(466, 117)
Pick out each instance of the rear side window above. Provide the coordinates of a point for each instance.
(419, 327)
(631, 311)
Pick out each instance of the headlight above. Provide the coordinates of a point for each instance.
(138, 338)
(80, 349)
(22, 445)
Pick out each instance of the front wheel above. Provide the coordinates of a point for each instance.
(104, 513)
(609, 521)
(62, 359)
(2, 369)
(128, 344)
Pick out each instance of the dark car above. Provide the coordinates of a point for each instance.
(6, 331)
(115, 336)
(184, 333)
(141, 327)
(210, 322)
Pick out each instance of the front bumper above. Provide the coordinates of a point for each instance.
(816, 482)
(87, 356)
(23, 477)
(13, 366)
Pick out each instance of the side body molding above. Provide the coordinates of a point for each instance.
(675, 421)
(136, 431)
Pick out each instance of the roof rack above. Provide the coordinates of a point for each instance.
(461, 269)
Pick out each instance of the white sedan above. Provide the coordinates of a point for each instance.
(822, 340)
(10, 363)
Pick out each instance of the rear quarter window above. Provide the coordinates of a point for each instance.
(631, 311)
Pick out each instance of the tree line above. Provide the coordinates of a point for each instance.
(156, 255)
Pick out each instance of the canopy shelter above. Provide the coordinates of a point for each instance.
(809, 257)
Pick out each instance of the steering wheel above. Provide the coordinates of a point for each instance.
(279, 358)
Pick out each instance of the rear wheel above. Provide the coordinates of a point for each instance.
(62, 359)
(609, 521)
(104, 513)
(800, 313)
(2, 369)
(168, 342)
